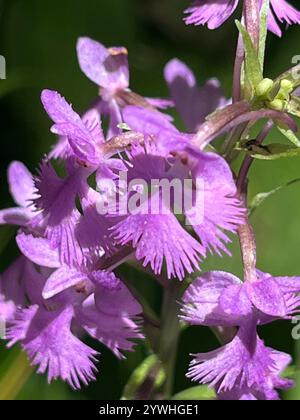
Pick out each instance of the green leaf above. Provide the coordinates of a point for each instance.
(203, 393)
(151, 368)
(14, 377)
(263, 32)
(260, 198)
(271, 152)
(289, 134)
(253, 71)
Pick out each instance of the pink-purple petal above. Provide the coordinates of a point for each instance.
(38, 250)
(21, 184)
(201, 301)
(108, 68)
(267, 297)
(62, 279)
(47, 339)
(211, 12)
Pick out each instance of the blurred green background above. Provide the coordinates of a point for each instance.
(38, 40)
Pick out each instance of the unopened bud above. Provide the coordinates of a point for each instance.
(277, 105)
(264, 87)
(286, 88)
(287, 85)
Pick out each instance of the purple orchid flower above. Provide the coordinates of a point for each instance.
(244, 367)
(108, 69)
(215, 12)
(267, 391)
(194, 104)
(221, 299)
(157, 236)
(46, 328)
(160, 237)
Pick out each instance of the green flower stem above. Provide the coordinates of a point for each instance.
(233, 137)
(243, 174)
(248, 250)
(170, 331)
(245, 231)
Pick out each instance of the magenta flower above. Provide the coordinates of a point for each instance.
(215, 12)
(65, 302)
(169, 199)
(244, 367)
(221, 299)
(160, 237)
(194, 104)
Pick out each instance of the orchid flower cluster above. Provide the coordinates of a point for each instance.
(65, 284)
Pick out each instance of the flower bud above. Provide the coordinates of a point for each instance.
(277, 105)
(264, 87)
(286, 88)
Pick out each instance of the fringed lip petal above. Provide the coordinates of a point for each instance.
(214, 13)
(159, 239)
(219, 209)
(237, 367)
(211, 12)
(50, 345)
(281, 11)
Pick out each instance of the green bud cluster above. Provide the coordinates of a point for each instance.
(274, 96)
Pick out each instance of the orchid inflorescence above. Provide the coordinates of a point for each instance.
(76, 230)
